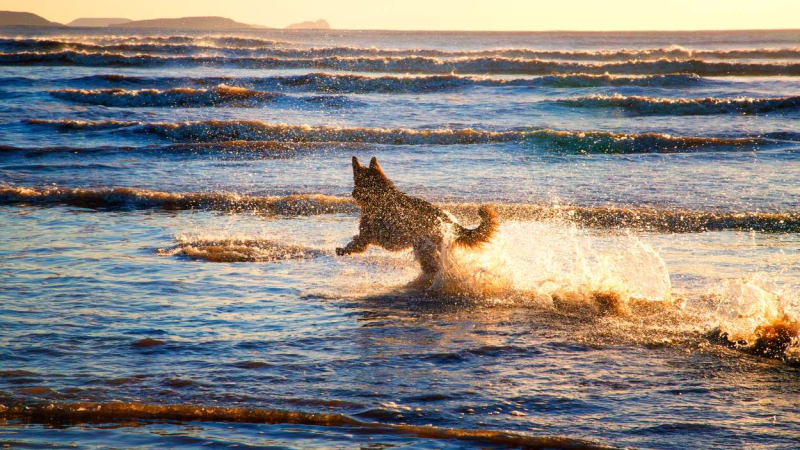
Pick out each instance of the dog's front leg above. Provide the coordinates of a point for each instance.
(358, 245)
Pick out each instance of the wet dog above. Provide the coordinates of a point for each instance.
(396, 221)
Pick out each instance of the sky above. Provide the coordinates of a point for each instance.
(500, 15)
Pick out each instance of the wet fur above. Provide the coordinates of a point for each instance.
(396, 221)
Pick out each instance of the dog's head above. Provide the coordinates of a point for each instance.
(370, 182)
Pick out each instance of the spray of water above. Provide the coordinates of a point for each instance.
(618, 275)
(757, 315)
(556, 265)
(553, 261)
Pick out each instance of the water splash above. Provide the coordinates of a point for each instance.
(215, 248)
(475, 272)
(555, 262)
(756, 314)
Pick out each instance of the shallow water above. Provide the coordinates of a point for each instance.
(167, 241)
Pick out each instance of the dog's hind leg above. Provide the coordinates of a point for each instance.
(425, 252)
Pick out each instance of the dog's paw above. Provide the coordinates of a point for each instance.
(340, 251)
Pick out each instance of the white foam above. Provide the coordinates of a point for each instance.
(549, 260)
(742, 305)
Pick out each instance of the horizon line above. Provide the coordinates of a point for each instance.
(270, 27)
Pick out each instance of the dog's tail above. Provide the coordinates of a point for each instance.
(483, 232)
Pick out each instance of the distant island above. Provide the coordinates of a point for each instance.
(320, 24)
(24, 19)
(97, 21)
(208, 23)
(186, 23)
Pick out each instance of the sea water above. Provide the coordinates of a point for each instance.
(170, 204)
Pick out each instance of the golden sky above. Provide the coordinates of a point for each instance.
(521, 15)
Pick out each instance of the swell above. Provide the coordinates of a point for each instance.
(133, 48)
(410, 64)
(244, 149)
(239, 250)
(685, 106)
(99, 42)
(344, 83)
(128, 199)
(60, 413)
(553, 140)
(600, 217)
(221, 95)
(185, 45)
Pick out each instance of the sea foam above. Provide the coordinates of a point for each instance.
(598, 217)
(408, 64)
(550, 140)
(685, 106)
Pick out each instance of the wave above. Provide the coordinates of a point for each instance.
(86, 125)
(221, 95)
(242, 46)
(552, 140)
(209, 48)
(105, 41)
(756, 316)
(599, 217)
(243, 149)
(344, 83)
(411, 64)
(239, 250)
(59, 413)
(579, 80)
(128, 198)
(600, 55)
(218, 96)
(685, 106)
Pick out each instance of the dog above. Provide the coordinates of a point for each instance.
(397, 221)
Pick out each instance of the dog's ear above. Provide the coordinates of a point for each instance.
(373, 164)
(357, 167)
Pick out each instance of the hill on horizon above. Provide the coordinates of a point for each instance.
(186, 23)
(98, 21)
(320, 24)
(25, 19)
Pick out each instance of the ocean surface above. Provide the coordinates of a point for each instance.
(170, 204)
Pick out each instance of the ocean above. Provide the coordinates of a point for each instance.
(170, 203)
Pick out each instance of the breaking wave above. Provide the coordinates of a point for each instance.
(553, 140)
(344, 83)
(86, 125)
(685, 106)
(59, 413)
(238, 249)
(757, 316)
(244, 46)
(579, 80)
(153, 42)
(244, 149)
(217, 96)
(128, 198)
(553, 263)
(410, 64)
(599, 217)
(218, 40)
(221, 95)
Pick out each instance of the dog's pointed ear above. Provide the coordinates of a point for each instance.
(356, 166)
(373, 164)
